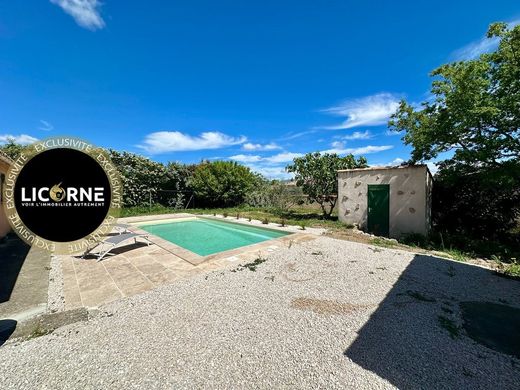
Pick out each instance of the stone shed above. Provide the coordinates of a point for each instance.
(386, 201)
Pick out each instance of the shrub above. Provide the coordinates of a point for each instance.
(222, 183)
(414, 239)
(141, 177)
(478, 203)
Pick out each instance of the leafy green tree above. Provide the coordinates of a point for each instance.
(317, 175)
(12, 149)
(473, 117)
(475, 110)
(222, 183)
(141, 177)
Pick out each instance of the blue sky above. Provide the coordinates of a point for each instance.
(258, 82)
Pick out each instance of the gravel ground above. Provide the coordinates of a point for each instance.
(329, 314)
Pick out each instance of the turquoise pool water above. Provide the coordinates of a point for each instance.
(205, 237)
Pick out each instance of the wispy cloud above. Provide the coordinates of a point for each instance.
(175, 141)
(279, 158)
(85, 12)
(245, 158)
(293, 135)
(339, 148)
(251, 146)
(45, 126)
(272, 167)
(476, 48)
(271, 172)
(372, 110)
(22, 139)
(357, 135)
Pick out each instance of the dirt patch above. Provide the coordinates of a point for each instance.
(326, 307)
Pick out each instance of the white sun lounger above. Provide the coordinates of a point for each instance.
(114, 242)
(122, 228)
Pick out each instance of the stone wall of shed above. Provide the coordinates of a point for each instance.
(410, 197)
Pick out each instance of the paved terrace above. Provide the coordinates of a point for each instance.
(136, 268)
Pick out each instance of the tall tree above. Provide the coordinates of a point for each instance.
(474, 117)
(317, 175)
(474, 110)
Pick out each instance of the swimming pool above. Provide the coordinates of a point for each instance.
(207, 236)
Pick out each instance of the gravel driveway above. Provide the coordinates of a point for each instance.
(329, 314)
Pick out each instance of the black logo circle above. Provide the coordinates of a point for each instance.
(62, 195)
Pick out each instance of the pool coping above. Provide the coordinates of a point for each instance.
(196, 259)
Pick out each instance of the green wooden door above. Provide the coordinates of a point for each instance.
(378, 209)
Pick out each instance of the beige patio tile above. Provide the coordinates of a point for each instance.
(121, 269)
(151, 268)
(165, 277)
(142, 260)
(72, 297)
(170, 260)
(100, 295)
(90, 282)
(133, 284)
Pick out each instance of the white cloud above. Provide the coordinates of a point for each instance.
(358, 135)
(475, 49)
(368, 111)
(45, 126)
(340, 149)
(175, 141)
(22, 139)
(85, 12)
(270, 146)
(396, 161)
(293, 135)
(282, 157)
(246, 158)
(271, 172)
(279, 158)
(391, 133)
(268, 166)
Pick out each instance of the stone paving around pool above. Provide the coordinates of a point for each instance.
(137, 268)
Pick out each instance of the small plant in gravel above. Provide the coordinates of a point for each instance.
(250, 266)
(225, 214)
(302, 225)
(249, 219)
(265, 221)
(214, 214)
(283, 222)
(238, 215)
(449, 325)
